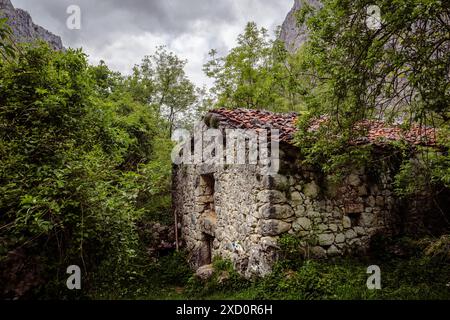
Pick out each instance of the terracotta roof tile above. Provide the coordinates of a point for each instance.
(377, 131)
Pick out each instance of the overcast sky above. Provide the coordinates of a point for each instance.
(122, 32)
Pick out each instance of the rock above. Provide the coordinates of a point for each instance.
(205, 199)
(292, 35)
(269, 242)
(300, 211)
(362, 191)
(360, 231)
(313, 214)
(333, 227)
(24, 30)
(269, 211)
(333, 251)
(379, 201)
(367, 218)
(355, 208)
(302, 224)
(318, 252)
(205, 272)
(356, 244)
(311, 190)
(277, 181)
(272, 196)
(354, 180)
(340, 238)
(371, 201)
(350, 234)
(346, 222)
(260, 261)
(325, 239)
(274, 227)
(297, 198)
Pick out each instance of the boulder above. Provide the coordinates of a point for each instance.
(205, 272)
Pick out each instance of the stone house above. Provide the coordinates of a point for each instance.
(239, 213)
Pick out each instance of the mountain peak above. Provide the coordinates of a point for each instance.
(24, 29)
(292, 34)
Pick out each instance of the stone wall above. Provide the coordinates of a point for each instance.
(232, 227)
(244, 216)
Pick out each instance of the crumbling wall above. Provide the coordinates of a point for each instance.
(248, 212)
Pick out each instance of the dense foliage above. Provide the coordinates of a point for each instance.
(410, 270)
(82, 160)
(85, 152)
(398, 73)
(257, 74)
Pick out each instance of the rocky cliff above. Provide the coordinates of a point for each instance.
(23, 27)
(292, 34)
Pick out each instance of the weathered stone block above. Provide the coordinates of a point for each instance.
(340, 238)
(297, 197)
(360, 231)
(269, 211)
(325, 239)
(379, 201)
(318, 252)
(277, 181)
(350, 234)
(311, 190)
(333, 227)
(367, 218)
(333, 251)
(269, 242)
(362, 191)
(300, 210)
(355, 208)
(273, 227)
(272, 196)
(354, 180)
(302, 224)
(205, 272)
(346, 222)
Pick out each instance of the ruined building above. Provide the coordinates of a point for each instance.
(239, 212)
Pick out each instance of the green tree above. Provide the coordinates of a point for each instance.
(160, 81)
(80, 163)
(256, 74)
(398, 73)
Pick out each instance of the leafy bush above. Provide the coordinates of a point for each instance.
(75, 165)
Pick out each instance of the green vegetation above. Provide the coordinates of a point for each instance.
(410, 269)
(83, 162)
(257, 74)
(85, 154)
(398, 73)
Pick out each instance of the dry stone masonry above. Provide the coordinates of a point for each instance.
(238, 214)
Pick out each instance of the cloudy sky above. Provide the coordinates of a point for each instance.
(122, 32)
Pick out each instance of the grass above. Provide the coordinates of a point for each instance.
(422, 273)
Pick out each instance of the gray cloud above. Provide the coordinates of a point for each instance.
(121, 32)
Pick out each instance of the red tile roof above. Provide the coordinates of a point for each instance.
(377, 131)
